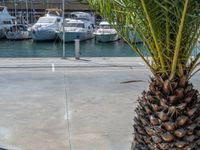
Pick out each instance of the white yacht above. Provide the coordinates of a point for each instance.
(77, 29)
(80, 26)
(18, 32)
(6, 21)
(46, 27)
(83, 16)
(106, 33)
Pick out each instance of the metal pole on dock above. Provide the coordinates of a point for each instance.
(47, 4)
(63, 15)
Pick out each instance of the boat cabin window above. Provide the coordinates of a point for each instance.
(83, 19)
(79, 17)
(22, 28)
(14, 28)
(46, 20)
(105, 27)
(65, 22)
(78, 25)
(1, 8)
(14, 20)
(7, 22)
(18, 28)
(58, 19)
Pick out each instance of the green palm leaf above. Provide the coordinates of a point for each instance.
(168, 28)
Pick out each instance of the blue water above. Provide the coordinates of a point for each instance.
(90, 48)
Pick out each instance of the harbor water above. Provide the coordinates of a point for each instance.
(90, 48)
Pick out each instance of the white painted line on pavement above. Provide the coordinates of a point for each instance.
(141, 63)
(67, 116)
(53, 68)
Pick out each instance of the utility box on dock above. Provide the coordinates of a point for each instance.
(77, 48)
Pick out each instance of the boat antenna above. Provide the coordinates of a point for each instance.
(27, 12)
(63, 16)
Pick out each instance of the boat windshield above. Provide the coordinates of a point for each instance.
(18, 28)
(105, 27)
(7, 22)
(78, 25)
(1, 8)
(46, 20)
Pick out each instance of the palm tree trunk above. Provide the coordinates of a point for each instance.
(168, 116)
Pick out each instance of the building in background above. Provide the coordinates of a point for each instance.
(33, 9)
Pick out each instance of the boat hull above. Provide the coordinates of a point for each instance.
(71, 36)
(2, 35)
(107, 37)
(23, 35)
(43, 35)
(3, 32)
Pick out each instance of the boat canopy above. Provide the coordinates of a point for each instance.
(47, 20)
(54, 12)
(19, 27)
(82, 16)
(74, 24)
(105, 25)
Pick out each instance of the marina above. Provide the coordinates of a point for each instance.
(54, 31)
(69, 81)
(50, 31)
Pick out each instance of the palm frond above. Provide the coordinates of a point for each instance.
(169, 29)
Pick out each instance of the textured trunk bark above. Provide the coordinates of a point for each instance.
(168, 117)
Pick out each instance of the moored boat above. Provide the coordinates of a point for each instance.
(106, 33)
(18, 32)
(6, 21)
(77, 29)
(80, 26)
(46, 27)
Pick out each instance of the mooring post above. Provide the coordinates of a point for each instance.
(77, 48)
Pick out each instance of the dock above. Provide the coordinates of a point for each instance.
(68, 104)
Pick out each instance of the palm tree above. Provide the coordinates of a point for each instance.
(168, 114)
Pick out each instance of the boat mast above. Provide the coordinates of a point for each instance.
(63, 16)
(15, 3)
(27, 11)
(47, 4)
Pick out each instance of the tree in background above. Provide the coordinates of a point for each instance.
(168, 114)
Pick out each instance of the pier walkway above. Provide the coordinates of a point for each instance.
(67, 104)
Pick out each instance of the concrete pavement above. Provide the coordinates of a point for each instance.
(56, 104)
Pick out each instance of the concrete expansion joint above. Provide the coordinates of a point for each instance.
(53, 66)
(66, 115)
